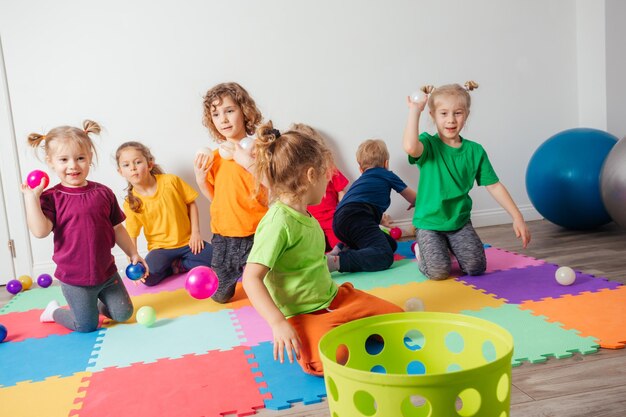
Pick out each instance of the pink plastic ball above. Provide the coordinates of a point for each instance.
(413, 247)
(36, 177)
(395, 233)
(201, 282)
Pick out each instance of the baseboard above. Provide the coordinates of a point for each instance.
(480, 218)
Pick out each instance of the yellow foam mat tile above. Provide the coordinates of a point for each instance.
(448, 296)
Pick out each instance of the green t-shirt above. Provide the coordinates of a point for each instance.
(447, 175)
(292, 246)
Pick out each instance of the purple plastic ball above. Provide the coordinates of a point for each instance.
(135, 271)
(14, 286)
(44, 280)
(201, 282)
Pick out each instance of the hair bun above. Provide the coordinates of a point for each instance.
(471, 85)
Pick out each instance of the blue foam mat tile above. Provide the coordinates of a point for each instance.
(286, 382)
(55, 355)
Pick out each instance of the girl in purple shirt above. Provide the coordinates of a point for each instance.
(87, 222)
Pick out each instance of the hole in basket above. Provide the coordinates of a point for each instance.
(454, 367)
(455, 342)
(342, 354)
(364, 402)
(379, 369)
(489, 351)
(374, 344)
(334, 393)
(468, 402)
(414, 340)
(415, 406)
(415, 368)
(504, 387)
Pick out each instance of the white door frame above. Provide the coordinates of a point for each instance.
(10, 181)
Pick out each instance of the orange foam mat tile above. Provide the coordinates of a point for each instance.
(600, 314)
(53, 396)
(449, 296)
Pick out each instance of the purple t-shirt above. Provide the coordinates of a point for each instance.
(82, 222)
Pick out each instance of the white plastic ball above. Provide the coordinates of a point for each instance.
(226, 150)
(204, 151)
(415, 97)
(565, 275)
(414, 304)
(246, 143)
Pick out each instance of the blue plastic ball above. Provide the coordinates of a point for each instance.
(3, 333)
(135, 271)
(563, 178)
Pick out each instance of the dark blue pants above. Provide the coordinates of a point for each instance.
(160, 261)
(368, 247)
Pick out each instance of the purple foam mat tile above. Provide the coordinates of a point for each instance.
(534, 283)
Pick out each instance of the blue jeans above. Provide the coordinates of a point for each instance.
(369, 248)
(160, 261)
(110, 299)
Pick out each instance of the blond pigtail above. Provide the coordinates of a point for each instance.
(427, 89)
(471, 85)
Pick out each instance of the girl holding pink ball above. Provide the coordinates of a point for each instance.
(74, 210)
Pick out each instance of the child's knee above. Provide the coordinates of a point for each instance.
(87, 327)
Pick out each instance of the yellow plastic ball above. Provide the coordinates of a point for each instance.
(26, 281)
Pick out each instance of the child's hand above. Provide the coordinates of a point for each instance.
(286, 339)
(201, 165)
(522, 231)
(36, 192)
(243, 157)
(196, 244)
(135, 259)
(418, 105)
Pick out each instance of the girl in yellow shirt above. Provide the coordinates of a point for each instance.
(164, 206)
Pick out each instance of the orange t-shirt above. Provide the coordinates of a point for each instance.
(235, 210)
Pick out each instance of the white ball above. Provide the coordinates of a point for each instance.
(565, 275)
(414, 304)
(204, 151)
(415, 97)
(226, 150)
(246, 143)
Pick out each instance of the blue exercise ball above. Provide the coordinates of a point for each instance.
(563, 178)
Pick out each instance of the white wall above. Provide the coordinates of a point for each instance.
(140, 69)
(616, 67)
(591, 63)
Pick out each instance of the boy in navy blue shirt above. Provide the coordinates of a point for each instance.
(357, 217)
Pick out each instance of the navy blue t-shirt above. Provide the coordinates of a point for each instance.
(373, 187)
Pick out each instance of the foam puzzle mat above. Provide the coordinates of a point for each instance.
(206, 359)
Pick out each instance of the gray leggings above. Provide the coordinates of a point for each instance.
(110, 299)
(435, 247)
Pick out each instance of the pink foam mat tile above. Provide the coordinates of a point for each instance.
(253, 328)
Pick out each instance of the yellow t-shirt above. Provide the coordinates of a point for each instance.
(235, 210)
(164, 215)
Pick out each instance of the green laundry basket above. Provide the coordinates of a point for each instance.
(418, 364)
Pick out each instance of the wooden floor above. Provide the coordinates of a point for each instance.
(581, 386)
